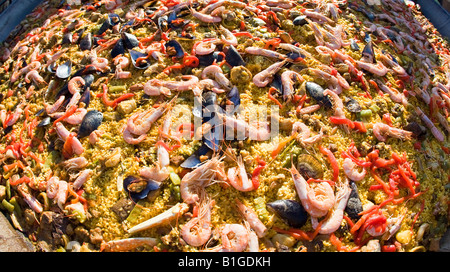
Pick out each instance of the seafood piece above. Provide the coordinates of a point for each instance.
(233, 57)
(316, 92)
(316, 200)
(141, 122)
(381, 131)
(127, 244)
(238, 178)
(265, 52)
(351, 171)
(174, 48)
(75, 163)
(289, 211)
(265, 77)
(309, 167)
(91, 121)
(234, 238)
(252, 218)
(376, 69)
(216, 73)
(194, 182)
(354, 205)
(197, 231)
(336, 214)
(164, 218)
(434, 130)
(288, 79)
(139, 59)
(139, 188)
(82, 178)
(32, 202)
(64, 134)
(63, 71)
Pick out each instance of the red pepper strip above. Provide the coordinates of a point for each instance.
(409, 182)
(122, 98)
(333, 161)
(68, 113)
(282, 144)
(382, 163)
(271, 90)
(381, 182)
(190, 61)
(67, 147)
(418, 214)
(360, 127)
(176, 66)
(21, 180)
(445, 149)
(255, 176)
(301, 103)
(342, 121)
(34, 157)
(338, 244)
(11, 166)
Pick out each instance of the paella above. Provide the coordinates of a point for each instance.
(226, 125)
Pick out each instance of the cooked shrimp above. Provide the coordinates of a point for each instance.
(376, 69)
(154, 173)
(216, 73)
(34, 76)
(265, 77)
(75, 163)
(381, 130)
(351, 171)
(304, 134)
(141, 122)
(316, 200)
(252, 218)
(205, 47)
(336, 214)
(130, 139)
(52, 108)
(75, 84)
(187, 83)
(82, 178)
(63, 133)
(338, 106)
(434, 130)
(155, 87)
(206, 18)
(162, 218)
(127, 244)
(394, 94)
(238, 178)
(34, 204)
(265, 52)
(288, 79)
(194, 182)
(197, 231)
(74, 119)
(234, 238)
(227, 37)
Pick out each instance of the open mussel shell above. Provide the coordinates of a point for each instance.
(112, 20)
(368, 54)
(353, 106)
(139, 188)
(63, 71)
(45, 122)
(289, 211)
(316, 92)
(309, 167)
(91, 121)
(206, 60)
(136, 55)
(174, 49)
(194, 160)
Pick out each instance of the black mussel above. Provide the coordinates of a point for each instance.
(233, 98)
(354, 205)
(276, 83)
(367, 38)
(300, 20)
(129, 40)
(309, 167)
(45, 122)
(233, 57)
(174, 49)
(163, 25)
(112, 20)
(289, 211)
(88, 80)
(91, 121)
(209, 105)
(118, 49)
(139, 59)
(368, 54)
(85, 98)
(353, 106)
(316, 92)
(194, 160)
(354, 45)
(139, 188)
(40, 112)
(418, 131)
(295, 56)
(63, 71)
(86, 42)
(67, 38)
(206, 60)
